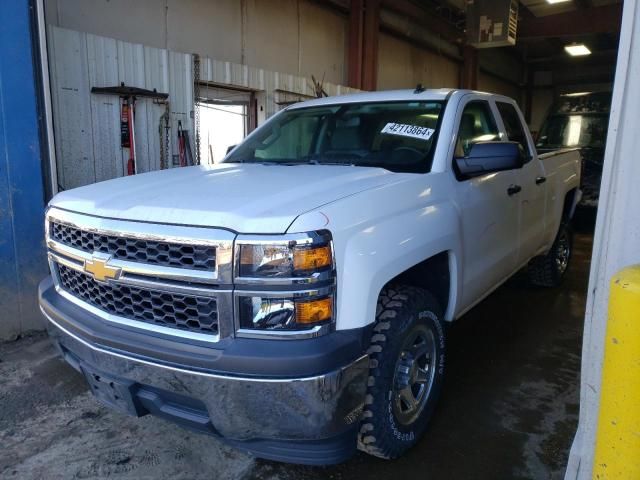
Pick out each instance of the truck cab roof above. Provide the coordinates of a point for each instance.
(382, 96)
(404, 95)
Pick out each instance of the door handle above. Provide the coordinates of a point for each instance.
(540, 180)
(513, 189)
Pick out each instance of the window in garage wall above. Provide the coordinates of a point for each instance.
(226, 116)
(221, 126)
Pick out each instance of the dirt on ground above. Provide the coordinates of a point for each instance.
(509, 407)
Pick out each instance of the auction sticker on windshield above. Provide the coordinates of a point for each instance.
(404, 130)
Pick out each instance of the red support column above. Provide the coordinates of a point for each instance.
(528, 99)
(356, 32)
(370, 44)
(469, 68)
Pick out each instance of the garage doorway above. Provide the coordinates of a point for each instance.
(226, 117)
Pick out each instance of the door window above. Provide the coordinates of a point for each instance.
(513, 126)
(477, 124)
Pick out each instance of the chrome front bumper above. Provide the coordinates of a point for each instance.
(271, 417)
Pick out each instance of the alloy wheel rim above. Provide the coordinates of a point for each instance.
(414, 374)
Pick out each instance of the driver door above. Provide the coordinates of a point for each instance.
(489, 211)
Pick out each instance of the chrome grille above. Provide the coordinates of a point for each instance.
(167, 254)
(175, 310)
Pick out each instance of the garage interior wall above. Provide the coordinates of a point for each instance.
(490, 83)
(541, 101)
(303, 38)
(404, 65)
(87, 126)
(148, 44)
(501, 71)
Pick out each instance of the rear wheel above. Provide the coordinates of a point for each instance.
(407, 355)
(549, 270)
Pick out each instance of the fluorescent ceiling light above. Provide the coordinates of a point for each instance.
(576, 94)
(577, 50)
(553, 2)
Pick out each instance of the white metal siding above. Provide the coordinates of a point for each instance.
(258, 79)
(87, 126)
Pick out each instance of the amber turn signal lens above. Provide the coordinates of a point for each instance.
(311, 258)
(314, 311)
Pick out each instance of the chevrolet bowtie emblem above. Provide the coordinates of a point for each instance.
(98, 267)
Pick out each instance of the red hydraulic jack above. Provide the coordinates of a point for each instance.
(127, 115)
(185, 155)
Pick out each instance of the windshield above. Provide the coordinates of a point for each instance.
(397, 136)
(574, 131)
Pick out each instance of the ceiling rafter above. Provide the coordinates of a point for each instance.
(591, 21)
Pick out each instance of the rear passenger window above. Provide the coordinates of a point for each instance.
(513, 126)
(476, 125)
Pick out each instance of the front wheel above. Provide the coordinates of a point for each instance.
(549, 270)
(407, 356)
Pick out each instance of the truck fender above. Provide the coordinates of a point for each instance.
(372, 253)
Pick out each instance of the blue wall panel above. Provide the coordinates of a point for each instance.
(22, 253)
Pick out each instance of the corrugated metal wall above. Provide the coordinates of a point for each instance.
(87, 126)
(277, 87)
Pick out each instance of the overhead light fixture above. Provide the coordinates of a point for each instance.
(576, 94)
(553, 2)
(577, 50)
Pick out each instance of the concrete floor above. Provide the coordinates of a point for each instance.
(509, 407)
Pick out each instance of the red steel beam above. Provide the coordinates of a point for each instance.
(355, 49)
(605, 19)
(371, 34)
(470, 68)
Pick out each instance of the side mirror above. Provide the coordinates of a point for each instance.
(229, 148)
(487, 157)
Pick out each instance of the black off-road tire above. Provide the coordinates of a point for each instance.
(402, 311)
(549, 270)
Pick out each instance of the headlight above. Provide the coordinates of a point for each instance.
(284, 283)
(284, 313)
(282, 260)
(281, 257)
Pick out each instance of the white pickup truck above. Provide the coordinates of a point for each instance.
(293, 300)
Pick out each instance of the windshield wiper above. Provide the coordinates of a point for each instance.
(302, 161)
(318, 162)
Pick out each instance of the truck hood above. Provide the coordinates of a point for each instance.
(247, 198)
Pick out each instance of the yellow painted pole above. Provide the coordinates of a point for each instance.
(617, 454)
